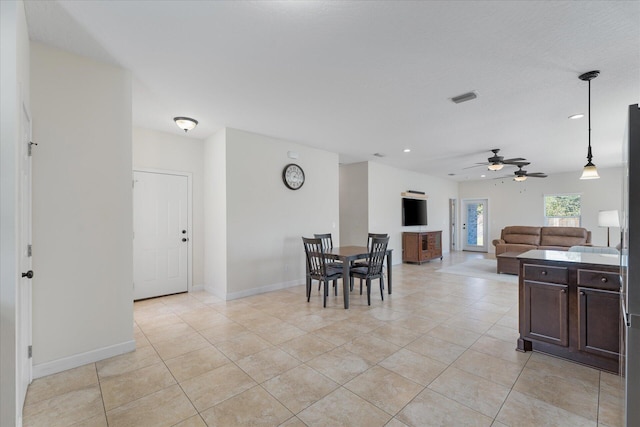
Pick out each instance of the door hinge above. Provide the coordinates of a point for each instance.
(30, 351)
(29, 250)
(31, 144)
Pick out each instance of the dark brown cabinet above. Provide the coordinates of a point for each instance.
(570, 308)
(546, 312)
(421, 246)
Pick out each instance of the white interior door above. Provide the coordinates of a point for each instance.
(475, 220)
(161, 234)
(24, 365)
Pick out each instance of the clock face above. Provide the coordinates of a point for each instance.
(293, 176)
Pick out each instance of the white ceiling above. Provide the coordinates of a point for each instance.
(364, 77)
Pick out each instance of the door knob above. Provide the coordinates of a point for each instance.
(185, 239)
(28, 274)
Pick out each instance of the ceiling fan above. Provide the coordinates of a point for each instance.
(522, 175)
(495, 162)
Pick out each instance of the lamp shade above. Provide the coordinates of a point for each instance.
(590, 172)
(608, 219)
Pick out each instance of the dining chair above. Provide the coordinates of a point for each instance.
(364, 262)
(370, 237)
(373, 269)
(327, 243)
(317, 268)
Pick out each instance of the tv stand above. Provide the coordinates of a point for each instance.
(421, 246)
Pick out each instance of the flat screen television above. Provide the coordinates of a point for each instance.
(414, 212)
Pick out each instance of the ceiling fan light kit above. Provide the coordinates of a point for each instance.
(589, 171)
(495, 166)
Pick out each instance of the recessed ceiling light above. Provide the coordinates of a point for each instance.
(407, 150)
(576, 116)
(483, 176)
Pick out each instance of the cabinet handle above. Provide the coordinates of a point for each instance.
(564, 291)
(544, 272)
(603, 280)
(582, 293)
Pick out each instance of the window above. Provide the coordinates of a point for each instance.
(562, 210)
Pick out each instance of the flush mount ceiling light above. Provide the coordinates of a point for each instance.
(589, 171)
(407, 150)
(185, 123)
(576, 116)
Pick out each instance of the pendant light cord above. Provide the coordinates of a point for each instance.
(589, 156)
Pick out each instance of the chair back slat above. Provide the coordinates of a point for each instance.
(377, 253)
(327, 241)
(371, 236)
(315, 256)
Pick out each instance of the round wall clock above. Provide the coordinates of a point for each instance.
(293, 176)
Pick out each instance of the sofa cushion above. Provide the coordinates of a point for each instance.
(563, 236)
(521, 235)
(513, 247)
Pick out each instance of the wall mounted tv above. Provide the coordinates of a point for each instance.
(414, 212)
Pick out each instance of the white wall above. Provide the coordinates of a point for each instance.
(215, 213)
(522, 203)
(385, 203)
(354, 203)
(15, 87)
(264, 219)
(166, 151)
(82, 210)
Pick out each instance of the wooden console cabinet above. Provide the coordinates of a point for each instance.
(422, 246)
(569, 304)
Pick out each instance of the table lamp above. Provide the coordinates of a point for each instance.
(608, 219)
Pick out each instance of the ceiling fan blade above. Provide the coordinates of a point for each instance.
(514, 160)
(476, 165)
(537, 175)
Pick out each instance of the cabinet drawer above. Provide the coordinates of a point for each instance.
(545, 273)
(599, 279)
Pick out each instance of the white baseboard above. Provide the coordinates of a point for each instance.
(197, 288)
(70, 362)
(263, 289)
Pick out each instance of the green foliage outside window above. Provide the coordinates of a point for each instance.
(562, 210)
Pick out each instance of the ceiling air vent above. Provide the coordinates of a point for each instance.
(464, 97)
(378, 154)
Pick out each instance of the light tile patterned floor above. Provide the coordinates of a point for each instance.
(438, 352)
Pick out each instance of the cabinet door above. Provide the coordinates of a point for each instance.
(410, 247)
(546, 312)
(437, 244)
(599, 321)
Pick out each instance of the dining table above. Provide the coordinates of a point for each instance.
(348, 254)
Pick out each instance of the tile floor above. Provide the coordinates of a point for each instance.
(438, 352)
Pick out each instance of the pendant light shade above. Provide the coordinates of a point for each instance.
(589, 171)
(185, 123)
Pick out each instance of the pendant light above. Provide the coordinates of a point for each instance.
(589, 171)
